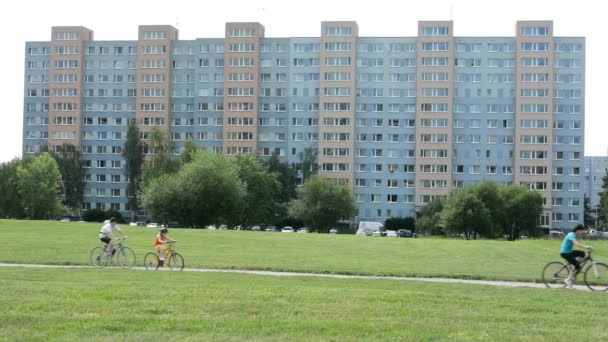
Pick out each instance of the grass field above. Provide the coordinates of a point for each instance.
(129, 305)
(70, 243)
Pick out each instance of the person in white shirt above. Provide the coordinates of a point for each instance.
(106, 234)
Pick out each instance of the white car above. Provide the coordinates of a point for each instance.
(287, 230)
(391, 233)
(133, 224)
(152, 225)
(303, 230)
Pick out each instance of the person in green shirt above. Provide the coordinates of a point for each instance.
(567, 252)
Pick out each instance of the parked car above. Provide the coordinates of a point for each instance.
(271, 229)
(391, 233)
(133, 224)
(406, 233)
(369, 228)
(152, 225)
(556, 233)
(256, 228)
(66, 219)
(303, 230)
(287, 229)
(377, 233)
(593, 234)
(333, 231)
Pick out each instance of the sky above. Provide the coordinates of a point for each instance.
(23, 21)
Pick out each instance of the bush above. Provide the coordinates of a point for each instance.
(113, 213)
(98, 215)
(289, 221)
(396, 223)
(94, 215)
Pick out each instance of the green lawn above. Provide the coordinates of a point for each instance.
(70, 243)
(123, 305)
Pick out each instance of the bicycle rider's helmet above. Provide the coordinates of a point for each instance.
(164, 230)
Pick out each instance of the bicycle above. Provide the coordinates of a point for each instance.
(175, 261)
(124, 255)
(595, 275)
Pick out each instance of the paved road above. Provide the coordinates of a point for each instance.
(321, 275)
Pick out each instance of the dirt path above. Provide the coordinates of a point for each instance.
(321, 275)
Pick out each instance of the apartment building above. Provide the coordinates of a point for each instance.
(596, 167)
(402, 119)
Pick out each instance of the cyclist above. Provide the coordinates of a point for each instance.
(106, 234)
(160, 247)
(567, 252)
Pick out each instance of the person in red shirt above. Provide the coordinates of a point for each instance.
(159, 245)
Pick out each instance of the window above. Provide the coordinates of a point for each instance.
(435, 31)
(435, 46)
(338, 31)
(529, 31)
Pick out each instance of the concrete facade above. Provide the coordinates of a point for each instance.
(402, 119)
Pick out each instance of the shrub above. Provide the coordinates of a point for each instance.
(94, 215)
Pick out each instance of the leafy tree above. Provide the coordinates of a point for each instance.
(308, 163)
(589, 219)
(465, 213)
(94, 215)
(603, 205)
(10, 201)
(429, 220)
(39, 186)
(162, 160)
(289, 221)
(488, 193)
(322, 202)
(521, 210)
(286, 176)
(205, 191)
(114, 213)
(396, 223)
(190, 149)
(71, 167)
(133, 153)
(262, 189)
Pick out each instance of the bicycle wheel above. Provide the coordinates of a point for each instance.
(596, 277)
(555, 273)
(126, 257)
(99, 257)
(176, 262)
(151, 261)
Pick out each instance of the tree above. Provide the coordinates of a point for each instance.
(190, 149)
(521, 211)
(286, 176)
(396, 223)
(429, 219)
(589, 219)
(465, 213)
(309, 164)
(602, 209)
(71, 167)
(94, 215)
(205, 191)
(487, 191)
(322, 202)
(162, 161)
(10, 201)
(133, 153)
(39, 186)
(262, 189)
